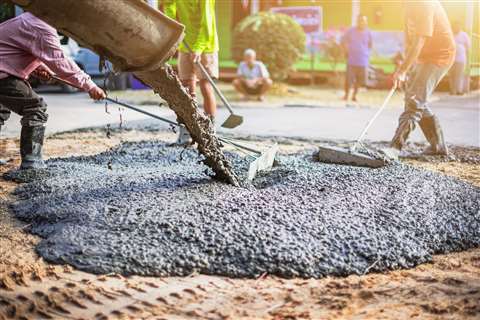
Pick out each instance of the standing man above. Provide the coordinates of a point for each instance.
(198, 16)
(252, 76)
(430, 51)
(357, 43)
(457, 72)
(27, 45)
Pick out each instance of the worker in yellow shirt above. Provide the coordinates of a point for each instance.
(198, 16)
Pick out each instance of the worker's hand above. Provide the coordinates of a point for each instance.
(42, 73)
(195, 57)
(399, 77)
(97, 93)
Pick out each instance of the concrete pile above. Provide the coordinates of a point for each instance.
(157, 213)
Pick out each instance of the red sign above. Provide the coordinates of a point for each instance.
(310, 18)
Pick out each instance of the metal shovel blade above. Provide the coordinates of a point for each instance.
(233, 121)
(263, 162)
(337, 155)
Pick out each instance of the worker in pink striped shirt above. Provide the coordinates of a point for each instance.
(29, 45)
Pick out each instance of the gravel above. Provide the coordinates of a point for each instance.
(157, 212)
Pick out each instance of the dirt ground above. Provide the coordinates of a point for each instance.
(30, 288)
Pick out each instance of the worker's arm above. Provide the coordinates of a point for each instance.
(411, 57)
(206, 33)
(46, 47)
(370, 40)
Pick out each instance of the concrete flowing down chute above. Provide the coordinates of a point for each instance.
(138, 39)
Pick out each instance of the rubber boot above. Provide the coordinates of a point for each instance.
(405, 127)
(2, 151)
(183, 136)
(31, 144)
(433, 133)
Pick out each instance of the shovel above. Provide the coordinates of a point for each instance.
(264, 161)
(234, 120)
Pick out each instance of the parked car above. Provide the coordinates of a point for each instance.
(89, 62)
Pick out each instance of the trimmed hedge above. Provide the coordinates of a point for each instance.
(278, 40)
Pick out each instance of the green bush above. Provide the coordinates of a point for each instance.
(278, 40)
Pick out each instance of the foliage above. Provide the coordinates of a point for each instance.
(334, 52)
(278, 40)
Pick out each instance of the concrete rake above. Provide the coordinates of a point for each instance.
(351, 156)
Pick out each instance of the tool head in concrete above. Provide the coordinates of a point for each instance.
(156, 213)
(337, 155)
(233, 121)
(263, 162)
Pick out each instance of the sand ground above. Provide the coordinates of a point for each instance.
(31, 288)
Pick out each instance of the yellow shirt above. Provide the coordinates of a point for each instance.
(198, 16)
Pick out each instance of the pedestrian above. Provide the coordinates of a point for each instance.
(459, 70)
(29, 45)
(198, 16)
(253, 78)
(430, 51)
(357, 43)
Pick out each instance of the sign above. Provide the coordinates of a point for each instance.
(310, 18)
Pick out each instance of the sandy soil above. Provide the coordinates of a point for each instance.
(30, 288)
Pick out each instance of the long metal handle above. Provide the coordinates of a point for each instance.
(205, 73)
(369, 124)
(128, 106)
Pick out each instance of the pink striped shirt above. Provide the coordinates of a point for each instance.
(26, 42)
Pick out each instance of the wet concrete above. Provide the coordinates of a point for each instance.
(157, 213)
(165, 82)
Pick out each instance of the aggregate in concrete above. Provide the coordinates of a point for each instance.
(156, 213)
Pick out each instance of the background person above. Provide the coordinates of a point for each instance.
(457, 72)
(252, 76)
(357, 43)
(28, 45)
(430, 53)
(198, 16)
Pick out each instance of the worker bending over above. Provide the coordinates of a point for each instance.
(430, 51)
(198, 16)
(29, 45)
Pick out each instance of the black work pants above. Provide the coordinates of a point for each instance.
(18, 96)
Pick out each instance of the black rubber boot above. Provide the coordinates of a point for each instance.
(31, 144)
(433, 133)
(2, 151)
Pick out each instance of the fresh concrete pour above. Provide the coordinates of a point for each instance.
(157, 213)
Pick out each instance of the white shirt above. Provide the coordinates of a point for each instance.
(258, 70)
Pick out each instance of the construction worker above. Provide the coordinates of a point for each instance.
(29, 45)
(198, 16)
(430, 51)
